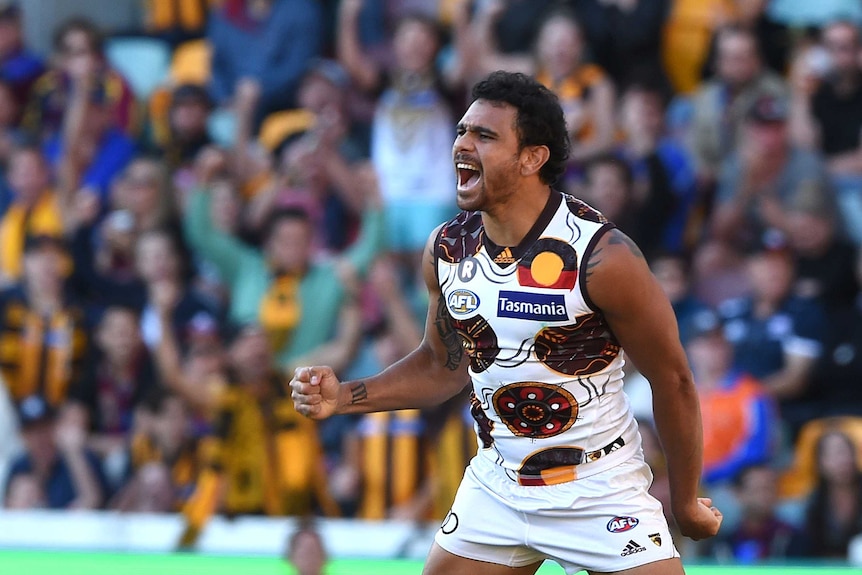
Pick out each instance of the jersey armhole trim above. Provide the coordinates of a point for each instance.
(582, 272)
(437, 237)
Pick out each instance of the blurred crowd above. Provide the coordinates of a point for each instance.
(172, 248)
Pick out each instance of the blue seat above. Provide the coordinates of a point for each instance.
(144, 62)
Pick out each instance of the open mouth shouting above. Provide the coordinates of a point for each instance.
(469, 174)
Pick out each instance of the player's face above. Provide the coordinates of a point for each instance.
(486, 155)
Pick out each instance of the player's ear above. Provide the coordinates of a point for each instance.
(533, 158)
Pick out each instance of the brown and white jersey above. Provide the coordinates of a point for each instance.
(546, 369)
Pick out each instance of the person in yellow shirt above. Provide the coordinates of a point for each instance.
(35, 209)
(261, 456)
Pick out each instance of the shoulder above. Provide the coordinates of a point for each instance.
(582, 210)
(458, 238)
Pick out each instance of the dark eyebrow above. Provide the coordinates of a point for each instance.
(482, 131)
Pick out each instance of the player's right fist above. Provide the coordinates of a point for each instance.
(314, 391)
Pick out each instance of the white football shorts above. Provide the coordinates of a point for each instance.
(604, 522)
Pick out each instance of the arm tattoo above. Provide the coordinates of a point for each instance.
(448, 335)
(617, 237)
(358, 392)
(595, 259)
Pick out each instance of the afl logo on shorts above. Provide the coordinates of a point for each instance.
(463, 302)
(622, 524)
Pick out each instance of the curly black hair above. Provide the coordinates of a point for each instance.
(540, 120)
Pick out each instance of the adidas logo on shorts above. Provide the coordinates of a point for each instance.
(632, 547)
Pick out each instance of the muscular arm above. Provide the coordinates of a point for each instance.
(429, 375)
(642, 319)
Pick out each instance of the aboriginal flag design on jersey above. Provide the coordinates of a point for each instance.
(580, 349)
(550, 263)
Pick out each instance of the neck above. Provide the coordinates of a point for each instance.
(507, 223)
(45, 301)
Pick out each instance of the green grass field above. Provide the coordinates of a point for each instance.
(51, 563)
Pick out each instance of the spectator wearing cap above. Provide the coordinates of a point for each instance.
(827, 111)
(43, 331)
(318, 150)
(35, 209)
(722, 103)
(739, 416)
(185, 131)
(825, 259)
(758, 182)
(78, 55)
(56, 470)
(777, 336)
(18, 66)
(269, 41)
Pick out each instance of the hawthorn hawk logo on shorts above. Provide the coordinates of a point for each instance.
(621, 524)
(655, 538)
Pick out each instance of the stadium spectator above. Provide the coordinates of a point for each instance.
(833, 387)
(270, 41)
(11, 133)
(738, 415)
(761, 178)
(163, 459)
(834, 513)
(673, 273)
(658, 161)
(56, 463)
(827, 99)
(776, 336)
(412, 129)
(77, 56)
(119, 375)
(302, 303)
(761, 534)
(827, 112)
(825, 261)
(35, 208)
(305, 550)
(262, 457)
(19, 67)
(722, 102)
(180, 136)
(44, 330)
(773, 37)
(559, 61)
(625, 35)
(90, 151)
(610, 188)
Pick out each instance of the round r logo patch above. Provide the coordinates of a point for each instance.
(467, 269)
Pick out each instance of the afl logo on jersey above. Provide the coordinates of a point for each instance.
(463, 302)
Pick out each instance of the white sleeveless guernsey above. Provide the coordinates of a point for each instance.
(546, 369)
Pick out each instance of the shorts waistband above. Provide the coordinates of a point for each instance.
(554, 475)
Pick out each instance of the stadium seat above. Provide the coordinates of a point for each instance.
(222, 127)
(191, 63)
(798, 481)
(144, 62)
